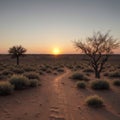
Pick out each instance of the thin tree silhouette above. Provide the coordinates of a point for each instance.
(98, 49)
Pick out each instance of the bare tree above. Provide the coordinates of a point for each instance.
(16, 52)
(98, 48)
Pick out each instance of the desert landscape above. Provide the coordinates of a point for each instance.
(59, 59)
(57, 96)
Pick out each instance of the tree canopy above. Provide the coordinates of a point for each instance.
(98, 48)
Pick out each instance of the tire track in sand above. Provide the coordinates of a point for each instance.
(59, 110)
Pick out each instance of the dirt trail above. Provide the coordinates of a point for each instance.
(59, 110)
(69, 102)
(56, 99)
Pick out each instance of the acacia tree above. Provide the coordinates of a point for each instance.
(98, 49)
(16, 52)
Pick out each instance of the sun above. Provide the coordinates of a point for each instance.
(56, 51)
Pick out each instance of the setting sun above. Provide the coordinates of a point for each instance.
(56, 51)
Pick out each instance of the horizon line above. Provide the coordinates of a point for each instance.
(55, 55)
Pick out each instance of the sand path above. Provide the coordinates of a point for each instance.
(56, 99)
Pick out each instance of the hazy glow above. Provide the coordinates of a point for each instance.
(56, 51)
(41, 25)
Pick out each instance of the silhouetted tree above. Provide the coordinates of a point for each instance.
(16, 52)
(98, 48)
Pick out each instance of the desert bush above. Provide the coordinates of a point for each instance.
(18, 70)
(1, 76)
(69, 66)
(88, 70)
(60, 70)
(55, 73)
(79, 76)
(1, 68)
(43, 69)
(100, 85)
(6, 72)
(78, 67)
(32, 75)
(34, 83)
(116, 82)
(47, 66)
(19, 81)
(74, 69)
(29, 69)
(81, 84)
(94, 101)
(6, 88)
(48, 71)
(55, 67)
(41, 73)
(106, 74)
(118, 66)
(115, 74)
(87, 74)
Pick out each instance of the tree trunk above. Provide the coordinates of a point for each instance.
(97, 74)
(17, 60)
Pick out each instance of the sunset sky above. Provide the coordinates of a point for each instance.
(44, 25)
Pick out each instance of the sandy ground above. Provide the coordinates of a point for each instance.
(58, 99)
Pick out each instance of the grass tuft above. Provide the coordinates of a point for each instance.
(79, 76)
(100, 85)
(81, 84)
(32, 75)
(115, 74)
(116, 82)
(6, 88)
(19, 81)
(34, 83)
(94, 101)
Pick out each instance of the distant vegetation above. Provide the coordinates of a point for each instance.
(32, 75)
(81, 84)
(100, 85)
(28, 74)
(79, 77)
(115, 74)
(116, 82)
(19, 82)
(17, 52)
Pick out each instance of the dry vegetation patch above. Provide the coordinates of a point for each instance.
(115, 74)
(94, 101)
(81, 84)
(32, 75)
(116, 82)
(79, 76)
(6, 88)
(100, 85)
(19, 82)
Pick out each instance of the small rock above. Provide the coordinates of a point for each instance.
(40, 104)
(79, 108)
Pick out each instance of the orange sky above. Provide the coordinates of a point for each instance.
(42, 25)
